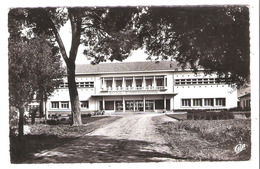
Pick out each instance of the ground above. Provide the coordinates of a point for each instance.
(129, 138)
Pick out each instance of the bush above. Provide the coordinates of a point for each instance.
(209, 115)
(248, 115)
(86, 115)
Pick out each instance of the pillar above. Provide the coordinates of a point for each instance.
(143, 82)
(154, 82)
(164, 102)
(134, 105)
(154, 105)
(113, 84)
(123, 103)
(164, 82)
(144, 102)
(103, 103)
(134, 84)
(123, 84)
(172, 103)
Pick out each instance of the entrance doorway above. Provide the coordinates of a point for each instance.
(139, 105)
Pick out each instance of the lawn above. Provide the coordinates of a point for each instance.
(208, 140)
(44, 137)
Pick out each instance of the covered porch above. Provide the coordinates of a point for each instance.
(136, 103)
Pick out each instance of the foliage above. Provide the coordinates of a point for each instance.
(209, 115)
(209, 37)
(34, 68)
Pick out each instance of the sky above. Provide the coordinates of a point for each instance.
(65, 33)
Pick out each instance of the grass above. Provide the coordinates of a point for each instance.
(44, 137)
(207, 140)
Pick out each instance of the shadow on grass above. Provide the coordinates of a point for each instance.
(89, 149)
(22, 150)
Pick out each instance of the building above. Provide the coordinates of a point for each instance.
(142, 87)
(245, 101)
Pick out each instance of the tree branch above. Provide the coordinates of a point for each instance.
(58, 38)
(76, 21)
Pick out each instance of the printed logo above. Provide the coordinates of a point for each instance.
(240, 147)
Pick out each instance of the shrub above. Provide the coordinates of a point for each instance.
(209, 115)
(86, 115)
(248, 115)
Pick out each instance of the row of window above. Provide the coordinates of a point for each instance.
(198, 102)
(79, 84)
(65, 105)
(199, 81)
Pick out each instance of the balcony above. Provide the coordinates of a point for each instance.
(148, 88)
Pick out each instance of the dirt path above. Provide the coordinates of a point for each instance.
(132, 138)
(137, 127)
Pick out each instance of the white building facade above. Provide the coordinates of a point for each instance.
(142, 87)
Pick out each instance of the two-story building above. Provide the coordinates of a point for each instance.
(142, 87)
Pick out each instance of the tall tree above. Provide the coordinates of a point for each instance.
(215, 38)
(34, 68)
(89, 26)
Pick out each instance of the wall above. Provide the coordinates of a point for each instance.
(202, 91)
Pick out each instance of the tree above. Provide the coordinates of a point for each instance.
(214, 38)
(34, 68)
(208, 37)
(89, 26)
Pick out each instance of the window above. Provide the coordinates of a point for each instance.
(159, 82)
(208, 102)
(109, 105)
(119, 105)
(159, 104)
(109, 83)
(199, 81)
(177, 81)
(84, 104)
(54, 105)
(220, 102)
(211, 80)
(186, 102)
(206, 81)
(64, 105)
(194, 81)
(188, 81)
(197, 102)
(182, 81)
(89, 84)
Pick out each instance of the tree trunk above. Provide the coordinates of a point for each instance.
(41, 106)
(74, 97)
(45, 109)
(21, 121)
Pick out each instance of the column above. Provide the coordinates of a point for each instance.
(123, 84)
(143, 82)
(123, 103)
(172, 103)
(134, 105)
(113, 84)
(103, 83)
(103, 103)
(114, 106)
(154, 82)
(164, 102)
(164, 82)
(154, 105)
(134, 84)
(144, 102)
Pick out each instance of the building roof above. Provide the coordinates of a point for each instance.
(126, 67)
(245, 95)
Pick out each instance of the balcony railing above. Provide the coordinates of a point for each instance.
(134, 88)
